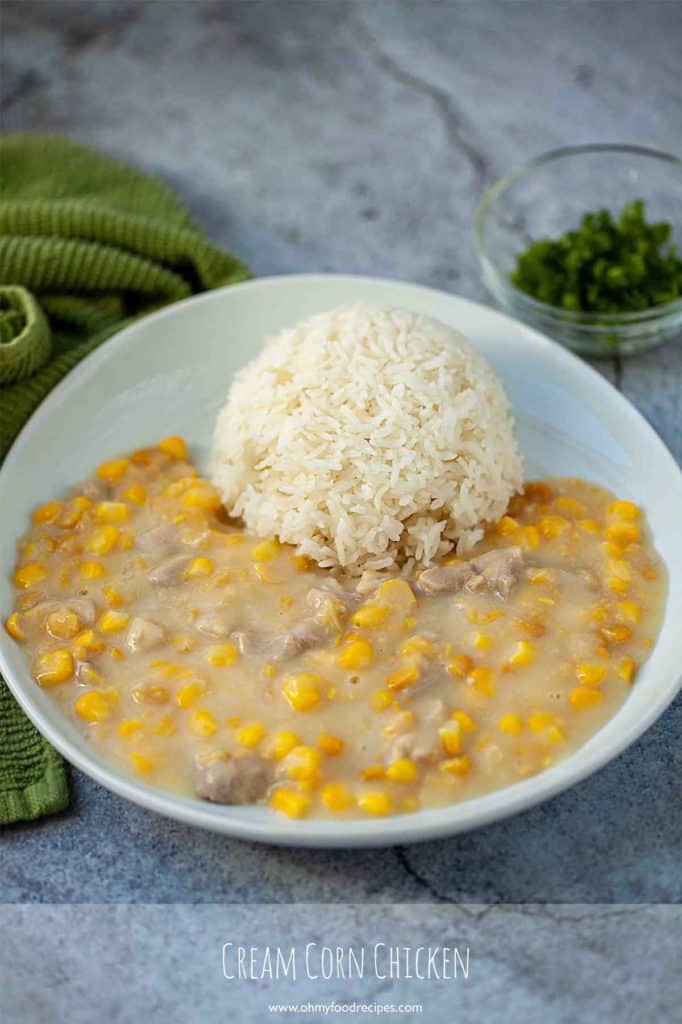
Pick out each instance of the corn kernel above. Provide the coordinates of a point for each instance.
(589, 674)
(74, 511)
(625, 510)
(175, 447)
(188, 694)
(629, 610)
(617, 585)
(330, 745)
(569, 506)
(524, 653)
(529, 537)
(281, 743)
(336, 797)
(178, 487)
(416, 646)
(48, 512)
(53, 667)
(62, 624)
(451, 737)
(356, 655)
(376, 803)
(552, 526)
(89, 641)
(250, 735)
(460, 666)
(13, 627)
(202, 723)
(265, 551)
(626, 669)
(511, 724)
(116, 653)
(554, 734)
(270, 670)
(112, 512)
(264, 573)
(482, 680)
(113, 622)
(381, 700)
(539, 576)
(165, 727)
(300, 562)
(199, 567)
(112, 597)
(205, 498)
(466, 722)
(102, 540)
(409, 622)
(483, 641)
(373, 772)
(584, 697)
(302, 690)
(618, 634)
(397, 593)
(622, 533)
(136, 493)
(113, 470)
(129, 727)
(93, 706)
(302, 764)
(29, 574)
(221, 655)
(402, 770)
(142, 763)
(456, 765)
(589, 525)
(371, 615)
(290, 802)
(506, 526)
(402, 678)
(541, 720)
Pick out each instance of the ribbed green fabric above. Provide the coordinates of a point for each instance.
(87, 245)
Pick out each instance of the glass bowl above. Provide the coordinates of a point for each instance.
(546, 197)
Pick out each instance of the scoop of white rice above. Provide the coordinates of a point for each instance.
(372, 439)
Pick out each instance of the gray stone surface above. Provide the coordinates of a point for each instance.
(526, 965)
(357, 137)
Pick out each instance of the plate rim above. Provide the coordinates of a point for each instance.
(416, 827)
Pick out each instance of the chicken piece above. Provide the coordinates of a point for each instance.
(170, 572)
(160, 540)
(445, 579)
(499, 568)
(143, 634)
(329, 608)
(304, 635)
(225, 779)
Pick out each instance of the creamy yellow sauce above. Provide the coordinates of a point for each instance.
(213, 663)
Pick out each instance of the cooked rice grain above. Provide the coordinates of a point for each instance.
(370, 439)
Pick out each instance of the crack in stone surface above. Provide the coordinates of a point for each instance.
(450, 116)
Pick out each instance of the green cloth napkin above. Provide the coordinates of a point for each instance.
(87, 245)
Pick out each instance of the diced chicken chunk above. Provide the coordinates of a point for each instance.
(233, 780)
(143, 634)
(170, 572)
(329, 608)
(500, 569)
(160, 540)
(497, 570)
(445, 579)
(305, 634)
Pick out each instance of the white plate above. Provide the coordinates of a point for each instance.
(170, 373)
